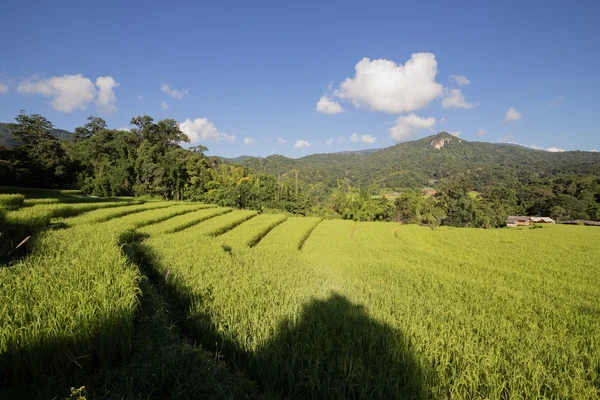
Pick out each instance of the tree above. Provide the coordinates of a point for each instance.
(41, 158)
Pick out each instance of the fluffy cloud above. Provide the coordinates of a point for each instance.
(281, 141)
(329, 142)
(550, 149)
(594, 150)
(301, 144)
(355, 138)
(342, 139)
(174, 93)
(249, 140)
(383, 85)
(556, 101)
(124, 129)
(407, 126)
(454, 98)
(460, 80)
(481, 132)
(105, 102)
(328, 106)
(505, 139)
(455, 133)
(512, 115)
(70, 92)
(3, 88)
(202, 129)
(164, 105)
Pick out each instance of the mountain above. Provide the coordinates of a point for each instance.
(418, 163)
(7, 139)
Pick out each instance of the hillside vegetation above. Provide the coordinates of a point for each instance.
(185, 300)
(415, 164)
(148, 160)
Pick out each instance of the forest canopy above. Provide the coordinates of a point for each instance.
(474, 184)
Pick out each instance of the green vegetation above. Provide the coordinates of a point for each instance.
(472, 184)
(11, 201)
(123, 297)
(187, 301)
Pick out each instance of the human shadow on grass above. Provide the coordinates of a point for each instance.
(332, 350)
(336, 350)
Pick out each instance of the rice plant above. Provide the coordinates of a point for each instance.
(11, 201)
(319, 309)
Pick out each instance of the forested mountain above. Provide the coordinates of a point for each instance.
(7, 139)
(148, 160)
(417, 163)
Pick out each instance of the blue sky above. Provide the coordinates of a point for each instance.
(523, 72)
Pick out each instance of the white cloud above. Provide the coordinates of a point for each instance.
(594, 150)
(455, 133)
(535, 147)
(407, 126)
(301, 144)
(505, 139)
(105, 102)
(329, 142)
(342, 139)
(164, 105)
(481, 132)
(68, 92)
(383, 85)
(328, 106)
(512, 115)
(3, 88)
(202, 129)
(174, 93)
(460, 80)
(140, 97)
(281, 141)
(454, 98)
(355, 138)
(442, 120)
(124, 129)
(249, 140)
(556, 101)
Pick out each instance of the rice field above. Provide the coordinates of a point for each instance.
(310, 309)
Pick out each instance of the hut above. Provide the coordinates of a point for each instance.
(514, 221)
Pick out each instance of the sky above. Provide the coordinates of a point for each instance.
(296, 78)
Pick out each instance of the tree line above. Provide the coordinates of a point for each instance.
(149, 160)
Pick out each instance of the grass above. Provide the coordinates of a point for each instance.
(304, 308)
(251, 232)
(11, 201)
(182, 222)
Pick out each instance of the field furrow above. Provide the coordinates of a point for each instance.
(218, 225)
(185, 221)
(290, 235)
(251, 232)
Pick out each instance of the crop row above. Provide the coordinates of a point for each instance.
(71, 302)
(376, 310)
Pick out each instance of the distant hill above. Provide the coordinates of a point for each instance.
(7, 139)
(418, 163)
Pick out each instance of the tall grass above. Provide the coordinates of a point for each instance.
(71, 303)
(319, 309)
(251, 232)
(11, 201)
(182, 222)
(458, 313)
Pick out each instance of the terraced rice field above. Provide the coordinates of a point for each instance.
(305, 308)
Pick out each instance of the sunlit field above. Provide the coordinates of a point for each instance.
(271, 306)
